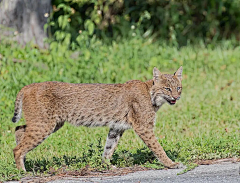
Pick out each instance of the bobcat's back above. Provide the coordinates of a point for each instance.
(80, 104)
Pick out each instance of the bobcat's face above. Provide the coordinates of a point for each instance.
(166, 87)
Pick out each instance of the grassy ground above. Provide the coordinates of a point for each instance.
(204, 124)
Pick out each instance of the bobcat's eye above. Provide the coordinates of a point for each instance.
(178, 88)
(168, 89)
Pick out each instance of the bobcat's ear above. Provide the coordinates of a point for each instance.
(178, 73)
(157, 75)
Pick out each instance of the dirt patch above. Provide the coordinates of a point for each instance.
(217, 161)
(85, 172)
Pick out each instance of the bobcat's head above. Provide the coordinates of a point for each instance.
(166, 87)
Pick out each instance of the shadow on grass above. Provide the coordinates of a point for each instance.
(93, 157)
(140, 157)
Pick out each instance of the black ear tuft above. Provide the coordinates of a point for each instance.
(178, 73)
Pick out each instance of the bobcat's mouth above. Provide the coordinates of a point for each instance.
(171, 102)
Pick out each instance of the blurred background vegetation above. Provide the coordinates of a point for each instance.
(75, 23)
(177, 22)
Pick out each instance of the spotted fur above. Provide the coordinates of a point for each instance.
(134, 104)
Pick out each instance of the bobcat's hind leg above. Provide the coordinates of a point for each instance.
(19, 133)
(34, 135)
(112, 140)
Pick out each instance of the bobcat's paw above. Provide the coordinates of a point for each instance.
(176, 166)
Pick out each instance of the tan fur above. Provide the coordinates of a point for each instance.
(134, 104)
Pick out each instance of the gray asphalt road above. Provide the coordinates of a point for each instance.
(216, 173)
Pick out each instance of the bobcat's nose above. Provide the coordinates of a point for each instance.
(175, 97)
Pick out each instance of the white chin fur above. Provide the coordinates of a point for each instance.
(159, 101)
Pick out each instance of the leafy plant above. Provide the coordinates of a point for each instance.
(178, 22)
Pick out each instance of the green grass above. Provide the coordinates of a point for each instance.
(204, 124)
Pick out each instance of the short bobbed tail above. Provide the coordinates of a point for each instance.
(18, 107)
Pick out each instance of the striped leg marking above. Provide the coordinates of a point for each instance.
(112, 140)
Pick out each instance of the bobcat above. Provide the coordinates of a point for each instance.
(134, 104)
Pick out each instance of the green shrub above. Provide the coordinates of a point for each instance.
(179, 22)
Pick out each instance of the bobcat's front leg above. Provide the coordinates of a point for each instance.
(112, 140)
(148, 137)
